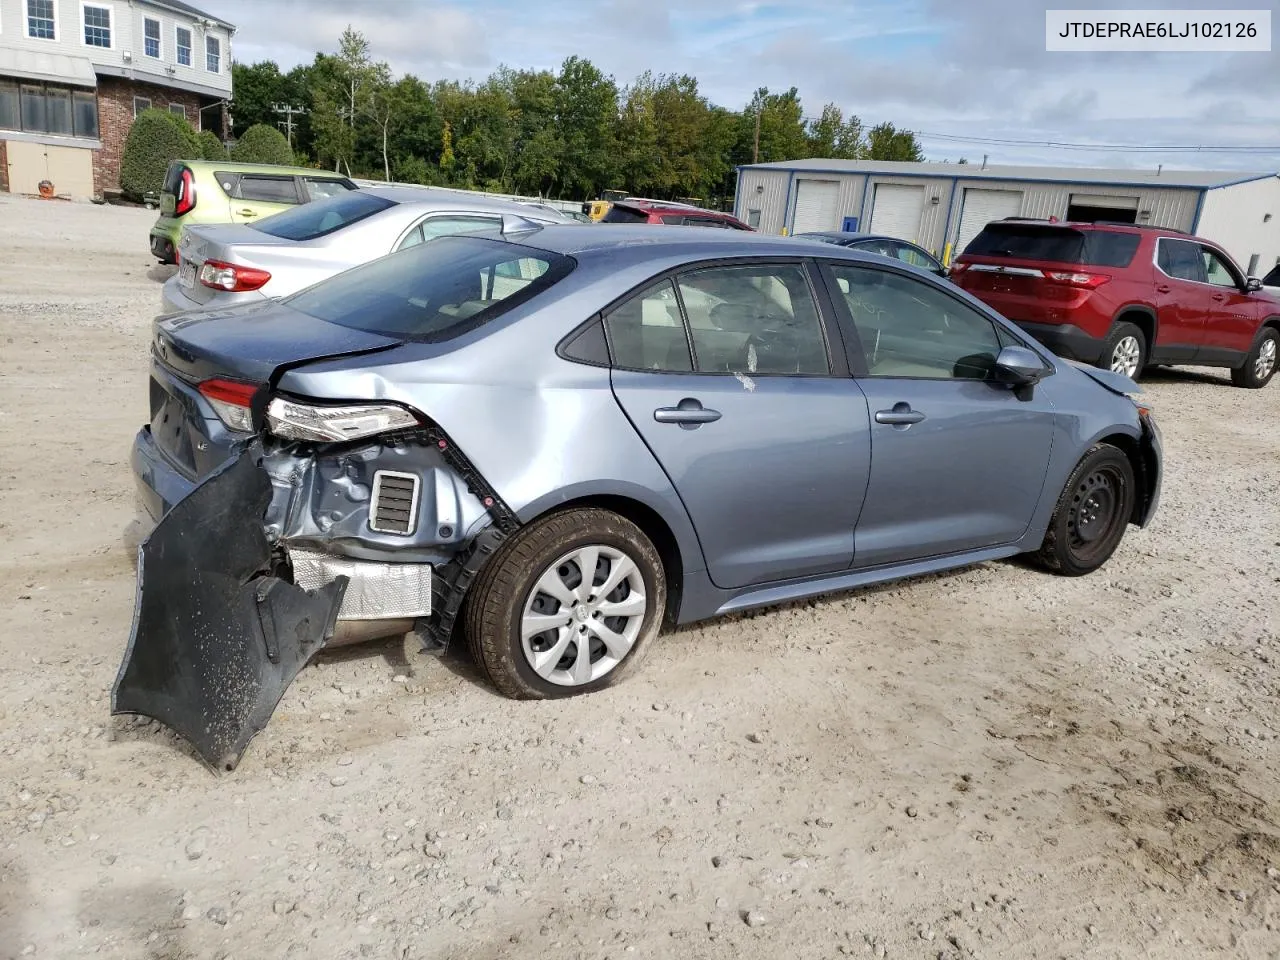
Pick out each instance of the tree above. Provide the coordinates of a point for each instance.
(834, 137)
(886, 142)
(258, 88)
(341, 87)
(586, 118)
(155, 140)
(262, 144)
(780, 132)
(211, 148)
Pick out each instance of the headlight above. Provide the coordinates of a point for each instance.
(303, 421)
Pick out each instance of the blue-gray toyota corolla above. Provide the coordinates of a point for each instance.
(553, 444)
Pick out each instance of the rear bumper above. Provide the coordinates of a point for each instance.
(175, 298)
(1066, 340)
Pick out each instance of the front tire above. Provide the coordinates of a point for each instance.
(1125, 352)
(1260, 366)
(568, 606)
(1092, 512)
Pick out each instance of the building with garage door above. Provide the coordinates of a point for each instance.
(74, 74)
(942, 206)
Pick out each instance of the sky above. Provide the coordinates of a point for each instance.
(966, 68)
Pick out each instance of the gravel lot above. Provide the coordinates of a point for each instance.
(992, 763)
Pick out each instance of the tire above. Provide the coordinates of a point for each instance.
(1091, 515)
(1260, 366)
(548, 552)
(1125, 350)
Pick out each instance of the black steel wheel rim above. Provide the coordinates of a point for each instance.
(1096, 511)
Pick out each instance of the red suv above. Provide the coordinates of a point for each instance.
(1122, 296)
(633, 210)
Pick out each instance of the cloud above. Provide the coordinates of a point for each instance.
(976, 69)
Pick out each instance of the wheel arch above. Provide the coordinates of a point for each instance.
(1144, 474)
(1141, 316)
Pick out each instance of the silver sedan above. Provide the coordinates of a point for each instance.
(224, 264)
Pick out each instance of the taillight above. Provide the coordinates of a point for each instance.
(228, 276)
(1085, 281)
(958, 268)
(185, 202)
(232, 401)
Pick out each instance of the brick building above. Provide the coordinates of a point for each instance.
(75, 73)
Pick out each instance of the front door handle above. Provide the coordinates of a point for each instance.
(248, 213)
(1219, 297)
(689, 413)
(900, 416)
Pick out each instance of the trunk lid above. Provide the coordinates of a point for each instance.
(228, 242)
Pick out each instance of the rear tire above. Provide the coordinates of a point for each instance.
(1260, 366)
(1091, 515)
(1125, 352)
(597, 622)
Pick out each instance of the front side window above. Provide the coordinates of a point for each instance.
(213, 54)
(183, 38)
(435, 291)
(41, 23)
(754, 319)
(151, 37)
(647, 332)
(1180, 259)
(909, 329)
(97, 26)
(1216, 270)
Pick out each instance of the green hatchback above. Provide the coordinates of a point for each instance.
(216, 191)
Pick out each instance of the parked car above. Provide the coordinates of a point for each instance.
(1124, 297)
(224, 265)
(1271, 282)
(884, 245)
(636, 210)
(218, 191)
(553, 435)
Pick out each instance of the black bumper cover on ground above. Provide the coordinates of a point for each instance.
(216, 638)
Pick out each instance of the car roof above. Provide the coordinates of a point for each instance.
(230, 166)
(1115, 226)
(852, 237)
(575, 240)
(659, 206)
(432, 198)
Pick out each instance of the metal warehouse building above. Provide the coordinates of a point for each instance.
(942, 206)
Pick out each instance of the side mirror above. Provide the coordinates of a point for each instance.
(1019, 367)
(1252, 285)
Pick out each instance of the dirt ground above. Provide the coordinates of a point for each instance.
(993, 763)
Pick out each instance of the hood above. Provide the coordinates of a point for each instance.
(1115, 382)
(253, 342)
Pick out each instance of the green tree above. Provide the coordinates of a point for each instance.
(781, 127)
(535, 138)
(155, 140)
(341, 88)
(262, 144)
(211, 148)
(886, 142)
(258, 88)
(586, 121)
(831, 135)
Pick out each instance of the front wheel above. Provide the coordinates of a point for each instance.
(1091, 514)
(1260, 366)
(567, 606)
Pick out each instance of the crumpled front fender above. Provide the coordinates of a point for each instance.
(217, 638)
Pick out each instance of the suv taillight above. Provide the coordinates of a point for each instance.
(1085, 281)
(218, 275)
(185, 201)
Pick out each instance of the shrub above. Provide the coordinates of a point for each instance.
(415, 170)
(156, 138)
(262, 144)
(211, 148)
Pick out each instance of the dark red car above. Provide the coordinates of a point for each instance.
(1122, 297)
(633, 210)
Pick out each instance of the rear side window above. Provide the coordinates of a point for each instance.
(268, 189)
(1180, 259)
(322, 217)
(172, 178)
(619, 214)
(434, 291)
(318, 188)
(1096, 248)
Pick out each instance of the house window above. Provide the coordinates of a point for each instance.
(40, 108)
(151, 37)
(140, 104)
(183, 37)
(178, 109)
(40, 20)
(97, 26)
(213, 54)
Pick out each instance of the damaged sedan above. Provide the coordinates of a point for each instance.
(554, 445)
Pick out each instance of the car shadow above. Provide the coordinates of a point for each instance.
(160, 272)
(1182, 375)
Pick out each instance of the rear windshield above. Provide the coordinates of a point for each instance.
(1099, 248)
(311, 220)
(436, 290)
(172, 177)
(619, 214)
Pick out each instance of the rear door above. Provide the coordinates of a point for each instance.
(1182, 299)
(260, 195)
(957, 462)
(725, 373)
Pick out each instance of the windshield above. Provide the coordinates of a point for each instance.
(322, 217)
(1099, 248)
(436, 290)
(619, 214)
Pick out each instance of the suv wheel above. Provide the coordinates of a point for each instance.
(1260, 366)
(1125, 352)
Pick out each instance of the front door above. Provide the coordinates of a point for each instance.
(957, 462)
(1231, 320)
(731, 386)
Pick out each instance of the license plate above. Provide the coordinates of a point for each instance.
(187, 274)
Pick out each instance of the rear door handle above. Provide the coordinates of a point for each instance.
(248, 213)
(900, 416)
(1163, 288)
(689, 413)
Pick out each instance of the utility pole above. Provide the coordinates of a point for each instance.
(289, 111)
(755, 149)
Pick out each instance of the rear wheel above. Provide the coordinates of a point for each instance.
(1125, 351)
(567, 606)
(1091, 514)
(1260, 366)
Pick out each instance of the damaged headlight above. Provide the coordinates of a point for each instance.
(291, 420)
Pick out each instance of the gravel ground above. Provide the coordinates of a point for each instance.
(991, 763)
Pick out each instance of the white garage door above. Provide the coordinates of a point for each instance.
(896, 209)
(816, 202)
(980, 207)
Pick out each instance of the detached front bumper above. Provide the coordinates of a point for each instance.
(1152, 450)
